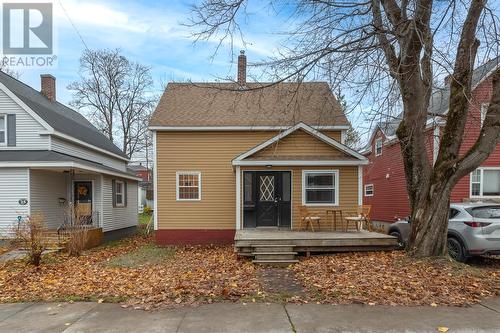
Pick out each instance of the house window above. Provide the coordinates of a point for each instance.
(484, 110)
(320, 187)
(188, 185)
(485, 182)
(119, 193)
(378, 147)
(369, 190)
(3, 129)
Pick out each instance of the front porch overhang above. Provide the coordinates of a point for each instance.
(56, 161)
(299, 162)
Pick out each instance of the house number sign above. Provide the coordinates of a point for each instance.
(23, 202)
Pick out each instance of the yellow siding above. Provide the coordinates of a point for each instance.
(300, 143)
(210, 153)
(348, 195)
(333, 134)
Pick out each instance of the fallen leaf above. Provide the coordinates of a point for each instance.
(442, 329)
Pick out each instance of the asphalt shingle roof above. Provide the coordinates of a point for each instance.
(62, 118)
(223, 104)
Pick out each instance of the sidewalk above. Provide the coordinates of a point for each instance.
(254, 317)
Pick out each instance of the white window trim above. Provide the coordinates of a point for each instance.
(4, 143)
(122, 204)
(336, 187)
(481, 196)
(373, 190)
(177, 174)
(377, 140)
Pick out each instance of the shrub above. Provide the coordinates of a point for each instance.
(77, 232)
(145, 227)
(30, 235)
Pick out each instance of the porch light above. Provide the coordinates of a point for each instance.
(62, 201)
(269, 166)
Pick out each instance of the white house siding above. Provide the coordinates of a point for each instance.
(14, 185)
(97, 192)
(119, 217)
(69, 148)
(27, 128)
(46, 187)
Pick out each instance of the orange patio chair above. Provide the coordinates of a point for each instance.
(308, 219)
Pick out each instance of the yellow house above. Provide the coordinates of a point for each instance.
(233, 156)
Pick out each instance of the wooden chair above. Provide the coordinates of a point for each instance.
(362, 215)
(308, 219)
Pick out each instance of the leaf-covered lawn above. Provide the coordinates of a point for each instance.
(142, 275)
(190, 275)
(391, 278)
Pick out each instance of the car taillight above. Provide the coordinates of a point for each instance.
(477, 224)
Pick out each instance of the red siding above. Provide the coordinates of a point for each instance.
(194, 236)
(386, 172)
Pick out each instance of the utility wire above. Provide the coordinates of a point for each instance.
(74, 26)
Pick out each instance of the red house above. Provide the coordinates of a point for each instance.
(384, 179)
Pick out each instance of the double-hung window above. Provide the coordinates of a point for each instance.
(320, 187)
(485, 182)
(188, 185)
(369, 190)
(378, 147)
(119, 193)
(3, 129)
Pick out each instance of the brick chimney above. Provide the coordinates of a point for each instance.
(242, 68)
(48, 86)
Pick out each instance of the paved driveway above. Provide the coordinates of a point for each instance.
(254, 317)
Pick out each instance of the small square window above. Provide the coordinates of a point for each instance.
(188, 185)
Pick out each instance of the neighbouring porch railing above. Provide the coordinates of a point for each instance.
(71, 222)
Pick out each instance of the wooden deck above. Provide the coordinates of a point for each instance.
(245, 241)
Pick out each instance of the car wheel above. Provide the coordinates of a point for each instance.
(401, 244)
(455, 249)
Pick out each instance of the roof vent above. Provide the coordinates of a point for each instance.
(48, 86)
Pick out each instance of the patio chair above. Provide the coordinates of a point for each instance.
(307, 218)
(362, 215)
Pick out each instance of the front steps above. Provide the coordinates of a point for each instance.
(274, 254)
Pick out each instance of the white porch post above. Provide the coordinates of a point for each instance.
(238, 198)
(360, 185)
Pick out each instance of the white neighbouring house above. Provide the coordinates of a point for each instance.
(51, 156)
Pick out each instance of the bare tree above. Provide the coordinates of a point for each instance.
(116, 94)
(387, 54)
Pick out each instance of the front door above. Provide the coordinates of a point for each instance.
(83, 201)
(272, 199)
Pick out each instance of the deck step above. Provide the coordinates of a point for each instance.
(274, 255)
(275, 262)
(273, 248)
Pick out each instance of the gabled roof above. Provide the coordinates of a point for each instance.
(60, 117)
(440, 99)
(257, 104)
(354, 157)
